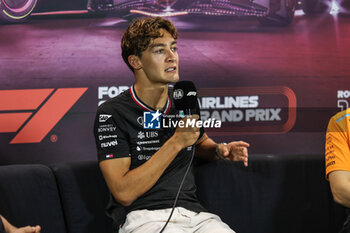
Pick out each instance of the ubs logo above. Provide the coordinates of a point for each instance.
(147, 134)
(151, 134)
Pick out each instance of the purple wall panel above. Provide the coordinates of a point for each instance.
(275, 88)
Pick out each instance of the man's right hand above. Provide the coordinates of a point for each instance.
(186, 136)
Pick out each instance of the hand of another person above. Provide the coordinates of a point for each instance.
(9, 228)
(234, 151)
(27, 229)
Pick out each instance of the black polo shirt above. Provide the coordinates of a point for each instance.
(119, 133)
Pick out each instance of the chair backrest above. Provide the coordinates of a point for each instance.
(84, 197)
(274, 194)
(29, 196)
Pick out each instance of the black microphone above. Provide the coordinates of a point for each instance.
(185, 96)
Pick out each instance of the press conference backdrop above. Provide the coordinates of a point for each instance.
(50, 88)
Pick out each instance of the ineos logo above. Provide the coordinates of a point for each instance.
(178, 94)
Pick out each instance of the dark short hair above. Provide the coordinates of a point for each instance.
(139, 34)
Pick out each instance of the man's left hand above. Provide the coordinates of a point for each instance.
(235, 151)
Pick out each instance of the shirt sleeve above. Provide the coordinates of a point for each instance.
(110, 135)
(201, 130)
(337, 151)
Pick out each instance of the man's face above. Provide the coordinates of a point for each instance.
(160, 61)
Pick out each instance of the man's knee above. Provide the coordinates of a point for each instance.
(155, 227)
(215, 226)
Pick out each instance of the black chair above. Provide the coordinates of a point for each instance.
(84, 197)
(29, 196)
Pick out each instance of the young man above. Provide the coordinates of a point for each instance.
(143, 168)
(6, 227)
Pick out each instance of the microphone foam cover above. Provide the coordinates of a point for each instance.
(185, 95)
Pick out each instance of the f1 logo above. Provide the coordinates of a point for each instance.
(192, 93)
(34, 112)
(151, 120)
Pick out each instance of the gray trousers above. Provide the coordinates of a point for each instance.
(182, 221)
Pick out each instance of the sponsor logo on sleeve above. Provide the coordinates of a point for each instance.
(109, 156)
(104, 117)
(103, 137)
(106, 128)
(109, 144)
